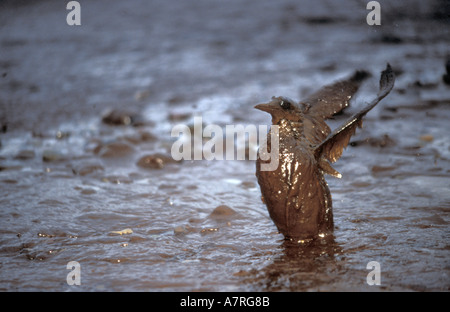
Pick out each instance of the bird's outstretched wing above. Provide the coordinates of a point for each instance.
(332, 147)
(333, 98)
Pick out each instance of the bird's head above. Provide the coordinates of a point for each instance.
(281, 108)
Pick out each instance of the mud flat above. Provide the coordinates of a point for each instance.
(81, 184)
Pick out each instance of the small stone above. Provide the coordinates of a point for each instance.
(122, 232)
(136, 239)
(25, 154)
(426, 138)
(62, 134)
(88, 191)
(122, 118)
(184, 229)
(209, 230)
(147, 137)
(51, 155)
(248, 184)
(114, 149)
(181, 229)
(155, 161)
(222, 211)
(87, 168)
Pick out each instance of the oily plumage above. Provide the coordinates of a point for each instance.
(296, 193)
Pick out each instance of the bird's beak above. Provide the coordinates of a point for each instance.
(265, 107)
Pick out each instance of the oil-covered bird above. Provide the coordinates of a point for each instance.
(296, 193)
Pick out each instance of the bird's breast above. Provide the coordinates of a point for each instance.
(295, 192)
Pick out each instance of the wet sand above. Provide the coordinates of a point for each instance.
(71, 175)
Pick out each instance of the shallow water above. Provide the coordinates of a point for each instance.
(69, 179)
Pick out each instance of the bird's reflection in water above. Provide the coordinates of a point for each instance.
(301, 267)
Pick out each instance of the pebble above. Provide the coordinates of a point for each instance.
(426, 138)
(122, 118)
(122, 232)
(155, 161)
(113, 149)
(25, 154)
(51, 155)
(248, 184)
(86, 168)
(383, 141)
(222, 211)
(209, 230)
(62, 134)
(182, 229)
(88, 192)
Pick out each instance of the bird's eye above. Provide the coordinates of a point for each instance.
(285, 105)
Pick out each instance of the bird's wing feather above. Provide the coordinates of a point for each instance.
(333, 98)
(332, 147)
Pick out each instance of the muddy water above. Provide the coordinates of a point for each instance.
(71, 179)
